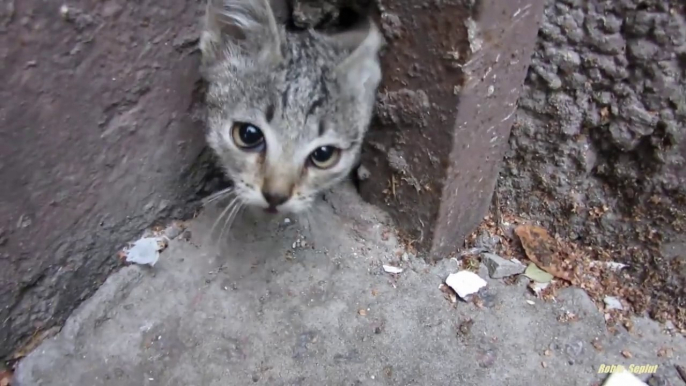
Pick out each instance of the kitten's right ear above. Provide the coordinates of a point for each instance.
(360, 71)
(240, 30)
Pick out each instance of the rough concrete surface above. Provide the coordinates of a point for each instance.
(96, 143)
(306, 302)
(452, 74)
(598, 147)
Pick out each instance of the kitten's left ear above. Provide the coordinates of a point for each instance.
(241, 30)
(360, 71)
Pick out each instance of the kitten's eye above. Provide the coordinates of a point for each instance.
(247, 136)
(325, 157)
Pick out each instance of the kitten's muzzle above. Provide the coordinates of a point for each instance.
(274, 200)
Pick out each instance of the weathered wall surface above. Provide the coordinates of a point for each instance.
(597, 150)
(453, 71)
(96, 143)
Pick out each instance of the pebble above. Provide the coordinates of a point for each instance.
(499, 267)
(613, 303)
(173, 231)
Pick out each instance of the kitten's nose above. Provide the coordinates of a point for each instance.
(274, 199)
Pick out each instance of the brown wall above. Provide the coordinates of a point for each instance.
(96, 143)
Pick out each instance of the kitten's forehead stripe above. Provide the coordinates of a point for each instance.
(270, 111)
(305, 88)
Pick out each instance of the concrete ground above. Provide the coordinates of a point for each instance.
(266, 309)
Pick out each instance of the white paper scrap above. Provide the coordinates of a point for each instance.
(392, 269)
(465, 283)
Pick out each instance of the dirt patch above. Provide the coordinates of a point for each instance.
(596, 154)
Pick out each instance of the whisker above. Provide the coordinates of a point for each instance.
(217, 195)
(223, 213)
(231, 218)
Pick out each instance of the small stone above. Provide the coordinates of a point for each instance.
(487, 241)
(656, 380)
(64, 11)
(627, 354)
(173, 231)
(665, 352)
(499, 267)
(612, 303)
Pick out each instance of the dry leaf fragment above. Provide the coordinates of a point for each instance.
(542, 249)
(681, 371)
(465, 328)
(537, 275)
(596, 344)
(5, 378)
(665, 352)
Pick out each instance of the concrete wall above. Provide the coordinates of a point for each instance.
(597, 151)
(96, 143)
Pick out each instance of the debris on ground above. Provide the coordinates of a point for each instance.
(610, 265)
(499, 267)
(538, 287)
(487, 242)
(562, 263)
(465, 283)
(543, 250)
(5, 378)
(612, 303)
(448, 292)
(465, 327)
(623, 378)
(145, 251)
(174, 230)
(300, 242)
(536, 274)
(681, 371)
(392, 269)
(665, 352)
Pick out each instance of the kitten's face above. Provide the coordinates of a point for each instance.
(287, 121)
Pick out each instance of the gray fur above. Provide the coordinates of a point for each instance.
(302, 89)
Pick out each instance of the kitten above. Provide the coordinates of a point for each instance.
(287, 110)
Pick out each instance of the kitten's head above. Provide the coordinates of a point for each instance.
(287, 112)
